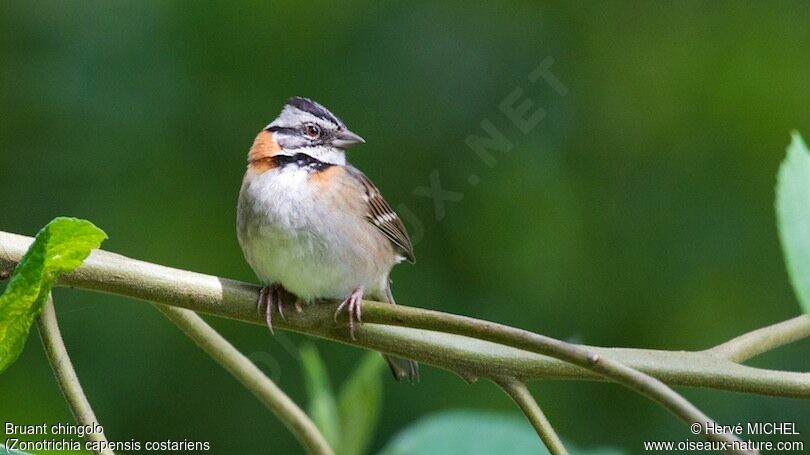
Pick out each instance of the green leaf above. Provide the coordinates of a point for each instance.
(793, 216)
(6, 451)
(322, 405)
(474, 433)
(359, 403)
(59, 247)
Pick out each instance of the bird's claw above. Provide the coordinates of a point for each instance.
(270, 296)
(353, 304)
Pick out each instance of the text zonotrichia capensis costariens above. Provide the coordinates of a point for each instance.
(311, 224)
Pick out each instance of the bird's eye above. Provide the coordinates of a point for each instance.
(313, 131)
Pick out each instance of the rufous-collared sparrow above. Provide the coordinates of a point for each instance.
(312, 225)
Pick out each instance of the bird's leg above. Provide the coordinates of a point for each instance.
(299, 305)
(273, 295)
(279, 290)
(261, 300)
(352, 304)
(266, 301)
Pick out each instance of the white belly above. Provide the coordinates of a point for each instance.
(290, 235)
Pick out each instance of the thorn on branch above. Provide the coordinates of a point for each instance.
(468, 377)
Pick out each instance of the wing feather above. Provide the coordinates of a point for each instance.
(382, 216)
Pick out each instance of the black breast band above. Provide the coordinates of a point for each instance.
(302, 160)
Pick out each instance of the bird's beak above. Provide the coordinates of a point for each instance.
(345, 139)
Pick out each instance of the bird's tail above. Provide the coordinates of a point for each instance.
(400, 368)
(403, 368)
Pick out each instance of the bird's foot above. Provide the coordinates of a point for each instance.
(352, 304)
(270, 296)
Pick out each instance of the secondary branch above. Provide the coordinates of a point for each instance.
(66, 376)
(523, 398)
(251, 377)
(762, 340)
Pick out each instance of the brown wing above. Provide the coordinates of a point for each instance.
(382, 216)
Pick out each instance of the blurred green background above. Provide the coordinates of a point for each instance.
(639, 212)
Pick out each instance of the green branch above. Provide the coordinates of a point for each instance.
(524, 400)
(113, 273)
(66, 376)
(251, 377)
(471, 348)
(760, 341)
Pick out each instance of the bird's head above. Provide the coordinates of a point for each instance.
(304, 126)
